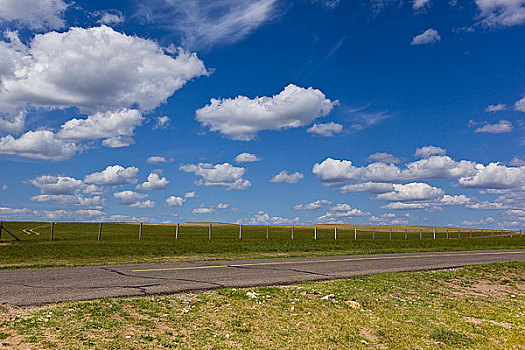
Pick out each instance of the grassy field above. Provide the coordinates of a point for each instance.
(480, 307)
(76, 244)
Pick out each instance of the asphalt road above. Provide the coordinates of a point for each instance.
(39, 286)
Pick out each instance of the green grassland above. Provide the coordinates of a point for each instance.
(481, 307)
(76, 244)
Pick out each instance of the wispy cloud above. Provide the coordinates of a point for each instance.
(203, 23)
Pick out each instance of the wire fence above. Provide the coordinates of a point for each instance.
(105, 230)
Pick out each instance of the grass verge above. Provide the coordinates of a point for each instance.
(480, 307)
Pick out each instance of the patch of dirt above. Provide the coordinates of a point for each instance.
(486, 288)
(16, 341)
(499, 291)
(481, 321)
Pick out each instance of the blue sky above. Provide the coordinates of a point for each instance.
(263, 111)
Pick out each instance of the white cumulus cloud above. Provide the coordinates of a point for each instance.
(39, 144)
(503, 126)
(241, 118)
(129, 197)
(520, 105)
(427, 151)
(326, 130)
(203, 210)
(496, 108)
(113, 175)
(284, 177)
(102, 125)
(262, 218)
(369, 187)
(174, 201)
(246, 158)
(190, 195)
(318, 204)
(218, 175)
(157, 159)
(429, 36)
(342, 211)
(496, 176)
(416, 191)
(383, 158)
(95, 69)
(155, 182)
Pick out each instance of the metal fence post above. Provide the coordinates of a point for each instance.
(459, 234)
(434, 230)
(209, 232)
(470, 233)
(52, 231)
(390, 233)
(406, 234)
(292, 232)
(140, 231)
(315, 233)
(420, 234)
(267, 229)
(492, 234)
(447, 233)
(177, 231)
(99, 231)
(511, 234)
(374, 234)
(240, 231)
(355, 232)
(335, 233)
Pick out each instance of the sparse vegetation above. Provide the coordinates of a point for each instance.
(481, 307)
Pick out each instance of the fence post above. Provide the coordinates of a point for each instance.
(447, 233)
(355, 232)
(177, 231)
(267, 229)
(315, 233)
(240, 231)
(520, 233)
(335, 233)
(434, 230)
(420, 234)
(510, 234)
(292, 232)
(52, 231)
(390, 233)
(406, 234)
(470, 233)
(492, 234)
(459, 234)
(374, 234)
(209, 232)
(99, 231)
(501, 233)
(140, 231)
